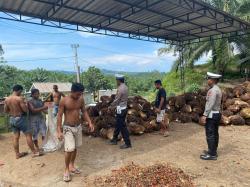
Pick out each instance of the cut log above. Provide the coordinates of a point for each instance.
(247, 121)
(185, 118)
(239, 91)
(234, 108)
(150, 126)
(245, 113)
(133, 118)
(171, 101)
(237, 120)
(195, 117)
(228, 103)
(180, 102)
(135, 106)
(106, 99)
(224, 120)
(241, 104)
(143, 115)
(92, 111)
(194, 103)
(186, 109)
(245, 97)
(104, 112)
(172, 108)
(227, 113)
(136, 129)
(189, 97)
(198, 110)
(147, 107)
(229, 93)
(133, 112)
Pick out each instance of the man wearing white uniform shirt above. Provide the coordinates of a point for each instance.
(212, 116)
(120, 103)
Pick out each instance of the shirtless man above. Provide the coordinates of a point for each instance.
(55, 97)
(73, 107)
(16, 107)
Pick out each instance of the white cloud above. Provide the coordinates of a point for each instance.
(88, 34)
(131, 62)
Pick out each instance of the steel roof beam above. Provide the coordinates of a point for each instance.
(120, 19)
(73, 15)
(207, 9)
(130, 8)
(162, 14)
(107, 31)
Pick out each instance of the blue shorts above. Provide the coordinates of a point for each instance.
(38, 126)
(55, 109)
(20, 124)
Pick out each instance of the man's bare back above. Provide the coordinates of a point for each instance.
(72, 108)
(15, 105)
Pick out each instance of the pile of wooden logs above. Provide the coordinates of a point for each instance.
(140, 117)
(184, 108)
(235, 106)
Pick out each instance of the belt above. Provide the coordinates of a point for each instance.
(213, 112)
(121, 108)
(71, 125)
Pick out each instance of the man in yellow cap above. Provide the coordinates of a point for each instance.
(212, 116)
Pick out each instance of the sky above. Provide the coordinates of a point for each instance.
(28, 46)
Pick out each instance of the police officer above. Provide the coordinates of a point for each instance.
(212, 116)
(120, 103)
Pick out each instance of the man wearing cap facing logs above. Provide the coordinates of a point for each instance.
(212, 116)
(120, 103)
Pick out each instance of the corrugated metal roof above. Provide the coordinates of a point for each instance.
(47, 87)
(176, 20)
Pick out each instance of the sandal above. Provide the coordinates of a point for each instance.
(20, 155)
(37, 154)
(75, 171)
(166, 134)
(66, 178)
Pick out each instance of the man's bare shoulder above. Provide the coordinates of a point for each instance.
(65, 99)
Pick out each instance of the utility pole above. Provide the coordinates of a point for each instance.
(77, 67)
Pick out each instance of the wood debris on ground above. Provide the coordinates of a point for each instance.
(158, 175)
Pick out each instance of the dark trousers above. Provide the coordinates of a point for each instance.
(212, 133)
(122, 127)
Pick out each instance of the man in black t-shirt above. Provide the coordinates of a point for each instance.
(160, 106)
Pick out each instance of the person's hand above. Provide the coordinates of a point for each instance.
(203, 119)
(91, 127)
(45, 107)
(157, 110)
(60, 136)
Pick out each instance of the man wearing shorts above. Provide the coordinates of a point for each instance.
(37, 120)
(160, 106)
(16, 107)
(73, 108)
(55, 96)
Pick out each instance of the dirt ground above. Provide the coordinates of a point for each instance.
(95, 158)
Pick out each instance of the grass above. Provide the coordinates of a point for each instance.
(3, 124)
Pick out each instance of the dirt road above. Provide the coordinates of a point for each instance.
(181, 149)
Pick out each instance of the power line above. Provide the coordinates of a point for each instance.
(86, 45)
(41, 59)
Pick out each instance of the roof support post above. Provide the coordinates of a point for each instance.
(182, 66)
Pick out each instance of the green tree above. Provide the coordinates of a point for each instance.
(95, 80)
(222, 49)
